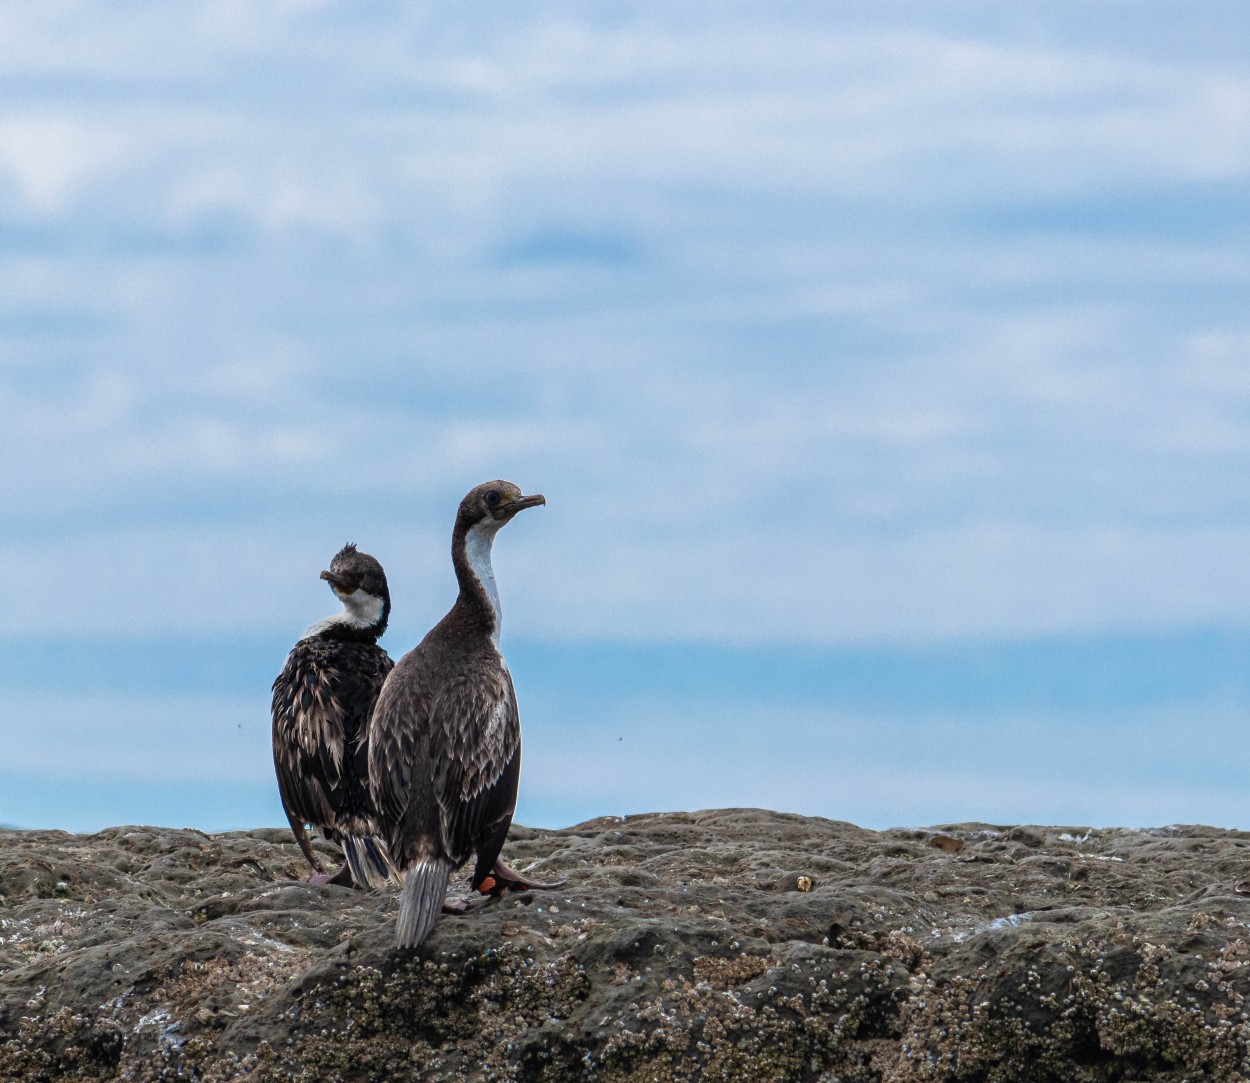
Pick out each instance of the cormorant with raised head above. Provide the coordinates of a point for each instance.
(445, 738)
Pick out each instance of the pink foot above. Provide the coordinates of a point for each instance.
(343, 877)
(504, 876)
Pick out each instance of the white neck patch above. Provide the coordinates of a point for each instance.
(477, 543)
(360, 610)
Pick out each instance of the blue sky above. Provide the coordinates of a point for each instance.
(886, 368)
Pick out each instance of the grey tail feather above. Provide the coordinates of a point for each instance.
(421, 900)
(368, 860)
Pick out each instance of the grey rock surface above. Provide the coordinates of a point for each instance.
(725, 945)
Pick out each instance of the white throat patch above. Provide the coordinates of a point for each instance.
(360, 610)
(477, 545)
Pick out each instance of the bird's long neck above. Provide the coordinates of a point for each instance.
(479, 596)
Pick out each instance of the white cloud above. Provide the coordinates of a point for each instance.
(247, 579)
(567, 573)
(826, 392)
(1023, 489)
(981, 579)
(296, 119)
(52, 158)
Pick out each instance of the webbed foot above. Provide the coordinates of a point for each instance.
(343, 877)
(504, 876)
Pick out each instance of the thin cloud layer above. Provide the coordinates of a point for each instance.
(903, 324)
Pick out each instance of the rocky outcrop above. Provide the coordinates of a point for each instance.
(727, 945)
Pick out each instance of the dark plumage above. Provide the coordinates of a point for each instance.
(321, 705)
(444, 738)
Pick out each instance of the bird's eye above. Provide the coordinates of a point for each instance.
(492, 498)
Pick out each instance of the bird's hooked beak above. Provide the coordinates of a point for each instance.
(339, 582)
(506, 511)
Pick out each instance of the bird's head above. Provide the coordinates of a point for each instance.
(359, 582)
(493, 503)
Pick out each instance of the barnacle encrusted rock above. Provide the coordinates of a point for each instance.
(729, 945)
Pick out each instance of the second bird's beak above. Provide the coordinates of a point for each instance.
(507, 511)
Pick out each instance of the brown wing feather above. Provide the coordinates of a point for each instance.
(480, 737)
(319, 718)
(439, 755)
(394, 729)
